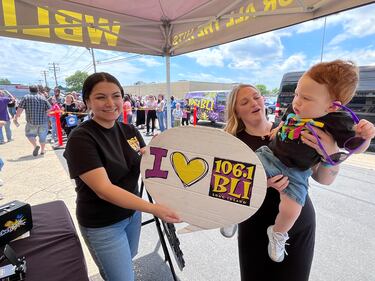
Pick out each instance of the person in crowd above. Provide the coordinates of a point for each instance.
(103, 158)
(36, 107)
(70, 108)
(58, 97)
(246, 119)
(52, 118)
(186, 113)
(141, 113)
(75, 95)
(5, 99)
(173, 106)
(128, 109)
(150, 115)
(12, 107)
(160, 112)
(177, 115)
(321, 93)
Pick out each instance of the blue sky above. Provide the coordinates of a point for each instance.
(261, 59)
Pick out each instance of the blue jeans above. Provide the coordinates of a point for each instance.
(8, 132)
(298, 179)
(160, 116)
(53, 128)
(130, 118)
(172, 118)
(113, 247)
(33, 131)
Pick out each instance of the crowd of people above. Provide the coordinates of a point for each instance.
(150, 112)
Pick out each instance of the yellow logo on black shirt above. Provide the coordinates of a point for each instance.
(134, 143)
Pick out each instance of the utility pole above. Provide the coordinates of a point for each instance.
(45, 72)
(55, 68)
(91, 50)
(324, 36)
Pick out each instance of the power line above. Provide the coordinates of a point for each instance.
(67, 53)
(119, 60)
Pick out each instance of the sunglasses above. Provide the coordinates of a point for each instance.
(350, 146)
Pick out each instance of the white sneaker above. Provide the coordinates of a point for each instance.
(276, 245)
(1, 182)
(228, 231)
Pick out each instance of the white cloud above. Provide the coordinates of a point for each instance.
(365, 56)
(149, 61)
(309, 26)
(206, 77)
(242, 54)
(293, 63)
(208, 57)
(357, 23)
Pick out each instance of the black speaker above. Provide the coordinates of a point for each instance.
(15, 220)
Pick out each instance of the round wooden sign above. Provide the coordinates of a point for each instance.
(209, 177)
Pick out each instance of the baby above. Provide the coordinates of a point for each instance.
(323, 90)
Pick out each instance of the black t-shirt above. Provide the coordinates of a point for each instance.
(70, 107)
(92, 146)
(294, 153)
(255, 264)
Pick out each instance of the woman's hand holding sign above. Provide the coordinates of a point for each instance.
(165, 213)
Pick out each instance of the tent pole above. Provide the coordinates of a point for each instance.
(168, 95)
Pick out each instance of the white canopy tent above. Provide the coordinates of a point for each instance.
(156, 27)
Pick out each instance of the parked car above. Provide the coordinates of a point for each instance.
(270, 103)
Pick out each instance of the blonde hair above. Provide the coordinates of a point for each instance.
(339, 76)
(235, 124)
(71, 97)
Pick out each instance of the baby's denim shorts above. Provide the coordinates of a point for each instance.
(298, 179)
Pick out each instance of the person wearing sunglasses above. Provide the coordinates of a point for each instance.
(320, 96)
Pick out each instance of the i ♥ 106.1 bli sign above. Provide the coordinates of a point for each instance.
(209, 177)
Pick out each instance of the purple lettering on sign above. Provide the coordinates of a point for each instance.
(155, 172)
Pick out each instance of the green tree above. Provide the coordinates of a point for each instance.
(75, 81)
(4, 81)
(263, 89)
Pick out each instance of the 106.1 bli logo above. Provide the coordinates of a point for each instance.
(232, 181)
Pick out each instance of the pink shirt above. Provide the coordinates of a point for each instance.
(127, 107)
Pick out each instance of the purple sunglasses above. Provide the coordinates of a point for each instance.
(351, 145)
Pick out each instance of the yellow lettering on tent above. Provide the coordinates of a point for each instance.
(43, 19)
(9, 12)
(95, 34)
(284, 3)
(250, 9)
(69, 33)
(273, 4)
(208, 28)
(184, 36)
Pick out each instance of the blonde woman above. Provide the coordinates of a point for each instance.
(246, 119)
